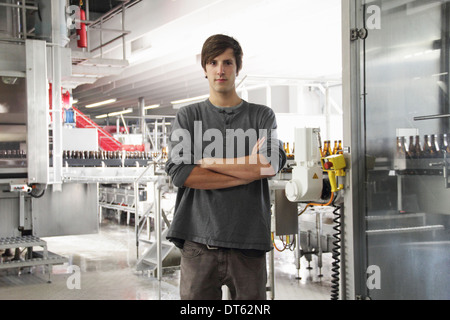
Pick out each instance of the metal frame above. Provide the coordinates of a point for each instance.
(23, 8)
(93, 26)
(33, 258)
(353, 262)
(37, 101)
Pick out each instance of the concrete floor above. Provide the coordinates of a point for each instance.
(106, 264)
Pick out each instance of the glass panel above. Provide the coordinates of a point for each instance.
(408, 199)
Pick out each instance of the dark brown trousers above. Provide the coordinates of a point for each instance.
(205, 270)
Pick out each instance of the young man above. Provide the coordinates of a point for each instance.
(222, 151)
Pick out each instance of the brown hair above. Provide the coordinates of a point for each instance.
(216, 45)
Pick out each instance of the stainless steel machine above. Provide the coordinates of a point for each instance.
(396, 213)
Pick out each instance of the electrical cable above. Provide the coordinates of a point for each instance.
(275, 246)
(292, 244)
(286, 244)
(311, 204)
(336, 253)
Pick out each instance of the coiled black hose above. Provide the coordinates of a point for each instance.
(336, 252)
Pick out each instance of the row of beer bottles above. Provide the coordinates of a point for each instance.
(433, 146)
(327, 151)
(104, 155)
(14, 154)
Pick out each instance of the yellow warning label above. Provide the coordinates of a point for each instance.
(315, 177)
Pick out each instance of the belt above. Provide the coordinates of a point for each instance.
(216, 248)
(248, 252)
(213, 248)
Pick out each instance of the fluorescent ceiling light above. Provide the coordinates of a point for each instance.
(190, 99)
(112, 114)
(102, 103)
(118, 113)
(155, 106)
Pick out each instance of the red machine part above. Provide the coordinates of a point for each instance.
(81, 32)
(65, 99)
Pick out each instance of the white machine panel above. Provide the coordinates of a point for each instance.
(307, 175)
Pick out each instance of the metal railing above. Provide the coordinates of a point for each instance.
(97, 26)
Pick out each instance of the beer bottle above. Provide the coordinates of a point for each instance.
(446, 143)
(325, 148)
(340, 149)
(329, 151)
(418, 147)
(433, 150)
(439, 143)
(411, 148)
(426, 147)
(287, 148)
(335, 149)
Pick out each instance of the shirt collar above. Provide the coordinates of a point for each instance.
(229, 110)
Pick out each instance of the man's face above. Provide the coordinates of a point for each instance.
(222, 72)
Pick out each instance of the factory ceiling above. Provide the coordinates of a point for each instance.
(284, 41)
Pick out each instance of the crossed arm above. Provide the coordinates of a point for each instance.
(212, 173)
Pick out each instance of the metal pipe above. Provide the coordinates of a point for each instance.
(24, 20)
(445, 173)
(18, 6)
(432, 117)
(87, 27)
(106, 43)
(136, 215)
(157, 189)
(124, 124)
(101, 39)
(404, 230)
(107, 29)
(124, 57)
(142, 118)
(136, 207)
(16, 25)
(155, 137)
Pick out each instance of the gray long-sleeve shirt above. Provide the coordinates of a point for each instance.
(237, 217)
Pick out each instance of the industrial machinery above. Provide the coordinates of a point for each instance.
(53, 159)
(312, 179)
